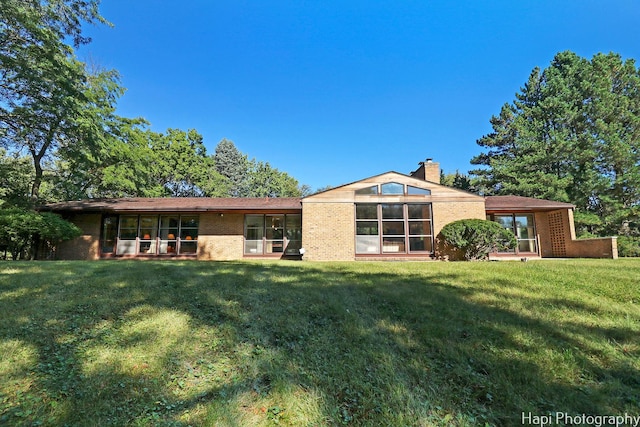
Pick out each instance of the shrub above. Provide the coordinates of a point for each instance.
(21, 231)
(628, 246)
(476, 238)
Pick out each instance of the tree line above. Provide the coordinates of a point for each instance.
(61, 138)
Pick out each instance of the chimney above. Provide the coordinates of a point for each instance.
(428, 170)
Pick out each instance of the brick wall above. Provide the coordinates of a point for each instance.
(85, 247)
(220, 237)
(328, 231)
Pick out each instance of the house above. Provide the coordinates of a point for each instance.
(384, 217)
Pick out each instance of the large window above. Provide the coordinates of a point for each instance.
(522, 225)
(393, 228)
(272, 234)
(149, 234)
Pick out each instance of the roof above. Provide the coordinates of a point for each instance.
(419, 182)
(519, 203)
(177, 204)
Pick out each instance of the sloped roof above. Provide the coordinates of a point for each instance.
(177, 204)
(392, 175)
(520, 203)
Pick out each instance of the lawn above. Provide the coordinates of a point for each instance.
(148, 343)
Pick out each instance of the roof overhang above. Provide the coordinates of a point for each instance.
(523, 204)
(178, 204)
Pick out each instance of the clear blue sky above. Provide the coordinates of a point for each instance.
(335, 91)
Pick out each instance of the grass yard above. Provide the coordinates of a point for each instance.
(147, 343)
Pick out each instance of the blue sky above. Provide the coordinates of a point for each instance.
(335, 91)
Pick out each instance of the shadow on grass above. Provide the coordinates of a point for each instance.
(231, 343)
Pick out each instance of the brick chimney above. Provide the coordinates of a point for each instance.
(428, 170)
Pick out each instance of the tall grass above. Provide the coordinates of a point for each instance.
(295, 343)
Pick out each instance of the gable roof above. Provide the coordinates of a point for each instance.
(392, 176)
(177, 204)
(520, 203)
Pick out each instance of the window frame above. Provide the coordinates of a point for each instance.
(394, 235)
(516, 230)
(274, 238)
(147, 239)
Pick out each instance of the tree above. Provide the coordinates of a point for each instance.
(265, 181)
(456, 180)
(233, 165)
(48, 100)
(15, 175)
(572, 134)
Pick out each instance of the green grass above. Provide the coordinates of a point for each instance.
(294, 343)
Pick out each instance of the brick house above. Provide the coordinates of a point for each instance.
(387, 216)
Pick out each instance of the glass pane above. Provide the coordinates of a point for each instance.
(254, 220)
(168, 247)
(420, 244)
(419, 211)
(294, 233)
(524, 227)
(109, 234)
(392, 188)
(528, 245)
(168, 233)
(419, 227)
(394, 228)
(392, 211)
(504, 220)
(367, 228)
(189, 221)
(411, 190)
(147, 233)
(367, 245)
(254, 234)
(393, 244)
(129, 221)
(368, 190)
(169, 221)
(253, 247)
(128, 234)
(189, 234)
(188, 247)
(366, 211)
(274, 227)
(294, 221)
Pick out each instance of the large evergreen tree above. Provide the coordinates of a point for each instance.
(572, 134)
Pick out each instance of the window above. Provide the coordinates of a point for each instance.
(368, 190)
(393, 228)
(394, 189)
(417, 191)
(150, 234)
(522, 225)
(272, 234)
(109, 234)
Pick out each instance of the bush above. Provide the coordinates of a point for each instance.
(628, 246)
(21, 231)
(476, 238)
